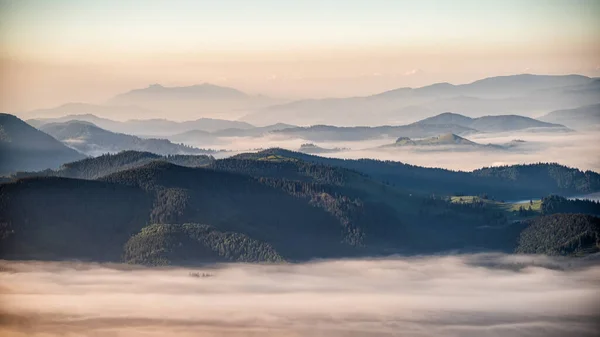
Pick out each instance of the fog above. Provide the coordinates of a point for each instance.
(465, 295)
(574, 149)
(578, 150)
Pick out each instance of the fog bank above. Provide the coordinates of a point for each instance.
(577, 149)
(468, 295)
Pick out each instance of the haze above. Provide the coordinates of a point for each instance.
(87, 51)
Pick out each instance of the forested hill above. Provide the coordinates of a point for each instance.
(561, 234)
(238, 210)
(510, 182)
(515, 182)
(545, 174)
(93, 168)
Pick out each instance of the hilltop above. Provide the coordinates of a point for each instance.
(445, 139)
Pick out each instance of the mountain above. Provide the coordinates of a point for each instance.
(24, 148)
(162, 244)
(448, 139)
(517, 94)
(103, 165)
(92, 140)
(579, 118)
(502, 123)
(445, 123)
(189, 100)
(143, 127)
(319, 133)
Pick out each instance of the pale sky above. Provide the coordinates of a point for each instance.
(58, 51)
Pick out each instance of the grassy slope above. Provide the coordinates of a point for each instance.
(508, 207)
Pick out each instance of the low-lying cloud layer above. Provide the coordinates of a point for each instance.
(467, 295)
(577, 149)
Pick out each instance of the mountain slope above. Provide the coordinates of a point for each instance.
(561, 234)
(23, 148)
(579, 118)
(494, 87)
(156, 193)
(441, 140)
(205, 90)
(163, 244)
(90, 139)
(96, 167)
(58, 218)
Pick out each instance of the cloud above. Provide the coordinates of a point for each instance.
(413, 72)
(467, 295)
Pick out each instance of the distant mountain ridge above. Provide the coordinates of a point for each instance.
(494, 87)
(445, 123)
(524, 94)
(318, 133)
(204, 90)
(584, 117)
(190, 100)
(154, 127)
(489, 123)
(89, 139)
(23, 147)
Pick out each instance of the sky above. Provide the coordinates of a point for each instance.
(52, 52)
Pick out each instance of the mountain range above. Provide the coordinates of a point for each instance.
(524, 94)
(280, 205)
(142, 127)
(445, 123)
